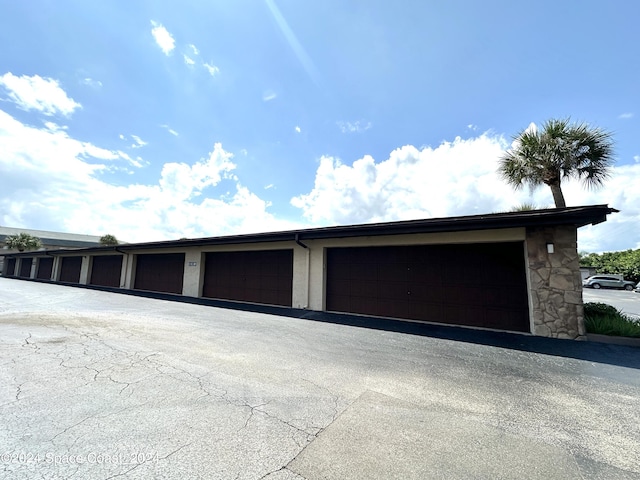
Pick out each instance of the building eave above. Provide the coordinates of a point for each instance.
(575, 216)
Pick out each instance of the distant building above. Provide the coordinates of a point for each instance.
(50, 240)
(586, 272)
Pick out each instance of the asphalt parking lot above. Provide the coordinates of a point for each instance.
(627, 302)
(98, 385)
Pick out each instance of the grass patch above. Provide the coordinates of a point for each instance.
(607, 320)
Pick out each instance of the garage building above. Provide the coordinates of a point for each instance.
(516, 271)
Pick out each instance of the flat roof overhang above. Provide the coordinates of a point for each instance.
(576, 216)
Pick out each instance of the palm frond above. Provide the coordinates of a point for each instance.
(561, 149)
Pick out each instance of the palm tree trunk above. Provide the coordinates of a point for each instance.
(558, 197)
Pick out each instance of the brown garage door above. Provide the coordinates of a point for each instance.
(162, 272)
(25, 267)
(106, 270)
(70, 269)
(45, 268)
(11, 267)
(481, 285)
(258, 277)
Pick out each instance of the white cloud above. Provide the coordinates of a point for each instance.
(92, 83)
(212, 69)
(456, 178)
(194, 49)
(354, 127)
(297, 129)
(138, 142)
(36, 93)
(162, 37)
(54, 127)
(51, 181)
(636, 158)
(188, 61)
(170, 130)
(269, 95)
(625, 116)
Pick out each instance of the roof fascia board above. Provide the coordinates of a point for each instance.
(577, 216)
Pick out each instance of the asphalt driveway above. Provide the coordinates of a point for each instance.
(627, 302)
(98, 385)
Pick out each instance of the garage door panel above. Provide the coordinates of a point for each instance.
(364, 288)
(391, 272)
(338, 287)
(393, 289)
(467, 284)
(70, 269)
(426, 292)
(339, 302)
(25, 267)
(45, 268)
(399, 308)
(254, 281)
(106, 270)
(361, 271)
(366, 305)
(427, 311)
(11, 267)
(426, 274)
(256, 276)
(474, 295)
(501, 296)
(497, 317)
(162, 272)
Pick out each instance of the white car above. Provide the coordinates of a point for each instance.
(607, 281)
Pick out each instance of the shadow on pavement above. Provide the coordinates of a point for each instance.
(619, 355)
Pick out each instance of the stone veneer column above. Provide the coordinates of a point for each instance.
(555, 282)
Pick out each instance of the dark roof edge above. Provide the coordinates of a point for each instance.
(577, 216)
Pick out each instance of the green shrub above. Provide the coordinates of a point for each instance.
(607, 320)
(598, 309)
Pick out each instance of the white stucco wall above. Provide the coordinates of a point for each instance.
(193, 273)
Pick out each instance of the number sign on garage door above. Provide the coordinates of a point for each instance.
(481, 285)
(258, 277)
(163, 272)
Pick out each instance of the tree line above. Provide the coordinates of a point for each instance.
(25, 241)
(626, 262)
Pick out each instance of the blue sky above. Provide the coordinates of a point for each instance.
(161, 120)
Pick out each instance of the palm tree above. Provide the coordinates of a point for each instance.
(23, 241)
(560, 150)
(109, 240)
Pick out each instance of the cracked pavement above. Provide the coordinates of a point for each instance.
(97, 385)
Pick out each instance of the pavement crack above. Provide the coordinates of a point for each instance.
(175, 451)
(70, 427)
(18, 389)
(272, 472)
(27, 343)
(160, 366)
(251, 412)
(281, 469)
(124, 473)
